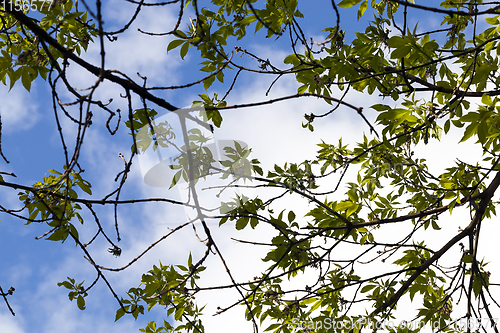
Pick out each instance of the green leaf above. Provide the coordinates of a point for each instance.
(214, 116)
(435, 226)
(138, 310)
(119, 313)
(26, 79)
(175, 43)
(184, 50)
(66, 285)
(401, 52)
(85, 186)
(467, 258)
(348, 3)
(249, 19)
(80, 302)
(176, 178)
(208, 82)
(367, 288)
(291, 59)
(351, 210)
(241, 223)
(477, 285)
(302, 89)
(178, 313)
(380, 107)
(486, 99)
(362, 8)
(492, 20)
(254, 222)
(469, 131)
(446, 126)
(60, 234)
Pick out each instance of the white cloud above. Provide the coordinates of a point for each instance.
(19, 109)
(132, 52)
(10, 324)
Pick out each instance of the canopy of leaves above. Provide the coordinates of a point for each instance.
(428, 84)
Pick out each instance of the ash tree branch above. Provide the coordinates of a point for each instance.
(486, 197)
(4, 295)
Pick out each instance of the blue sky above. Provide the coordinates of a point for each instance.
(31, 142)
